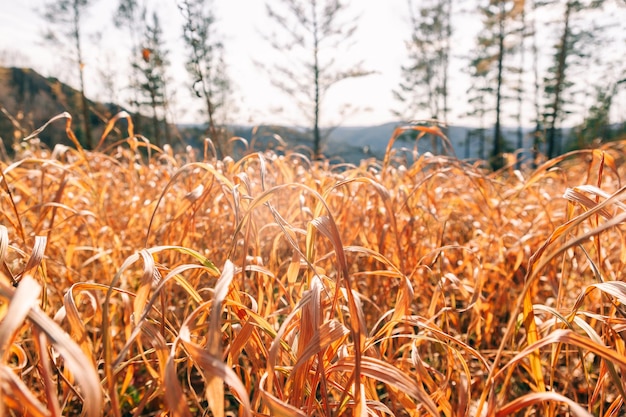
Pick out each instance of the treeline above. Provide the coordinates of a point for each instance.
(514, 75)
(536, 60)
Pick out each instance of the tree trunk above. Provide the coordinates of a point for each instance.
(496, 160)
(316, 71)
(83, 99)
(558, 86)
(212, 128)
(481, 143)
(166, 129)
(520, 92)
(165, 107)
(446, 63)
(155, 118)
(535, 51)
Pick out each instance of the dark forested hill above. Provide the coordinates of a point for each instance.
(28, 100)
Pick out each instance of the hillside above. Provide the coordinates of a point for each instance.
(28, 100)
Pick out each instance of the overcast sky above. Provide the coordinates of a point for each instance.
(380, 43)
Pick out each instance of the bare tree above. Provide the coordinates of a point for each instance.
(310, 35)
(127, 16)
(66, 16)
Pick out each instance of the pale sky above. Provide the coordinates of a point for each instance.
(379, 42)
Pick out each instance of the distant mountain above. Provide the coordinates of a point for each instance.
(356, 143)
(352, 144)
(28, 100)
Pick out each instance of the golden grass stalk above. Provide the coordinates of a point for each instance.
(22, 306)
(395, 287)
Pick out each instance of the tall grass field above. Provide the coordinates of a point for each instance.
(137, 281)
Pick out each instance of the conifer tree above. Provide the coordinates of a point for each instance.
(597, 125)
(519, 88)
(205, 64)
(573, 42)
(479, 90)
(425, 79)
(499, 18)
(152, 68)
(130, 16)
(538, 119)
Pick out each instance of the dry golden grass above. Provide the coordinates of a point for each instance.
(137, 282)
